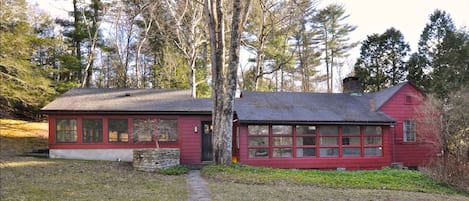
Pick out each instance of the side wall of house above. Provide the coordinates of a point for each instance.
(188, 140)
(316, 160)
(404, 105)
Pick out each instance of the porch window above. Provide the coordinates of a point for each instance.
(118, 130)
(66, 130)
(282, 141)
(373, 141)
(409, 130)
(305, 140)
(92, 130)
(142, 130)
(329, 141)
(351, 141)
(167, 130)
(258, 141)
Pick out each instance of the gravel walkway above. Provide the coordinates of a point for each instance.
(198, 187)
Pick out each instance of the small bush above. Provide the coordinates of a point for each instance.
(175, 170)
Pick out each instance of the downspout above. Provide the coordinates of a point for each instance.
(393, 134)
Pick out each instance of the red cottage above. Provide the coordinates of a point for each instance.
(351, 130)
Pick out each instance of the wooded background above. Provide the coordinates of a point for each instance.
(292, 45)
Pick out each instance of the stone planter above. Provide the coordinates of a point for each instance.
(150, 160)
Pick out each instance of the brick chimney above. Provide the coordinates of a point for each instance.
(352, 86)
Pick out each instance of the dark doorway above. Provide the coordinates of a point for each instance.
(207, 148)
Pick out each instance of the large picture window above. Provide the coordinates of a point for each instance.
(65, 130)
(167, 130)
(92, 130)
(142, 130)
(410, 131)
(118, 130)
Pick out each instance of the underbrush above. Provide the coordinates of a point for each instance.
(452, 172)
(389, 179)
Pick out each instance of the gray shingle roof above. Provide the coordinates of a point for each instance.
(127, 100)
(306, 107)
(252, 107)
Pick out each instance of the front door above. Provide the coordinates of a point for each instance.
(207, 141)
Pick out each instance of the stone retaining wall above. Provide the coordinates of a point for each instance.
(149, 160)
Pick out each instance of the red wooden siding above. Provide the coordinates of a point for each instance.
(410, 153)
(188, 140)
(318, 162)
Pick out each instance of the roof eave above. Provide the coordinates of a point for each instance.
(318, 122)
(98, 112)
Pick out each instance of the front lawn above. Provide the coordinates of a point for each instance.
(388, 179)
(25, 178)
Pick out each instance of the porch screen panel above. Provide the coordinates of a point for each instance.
(258, 141)
(305, 141)
(142, 130)
(92, 130)
(118, 130)
(167, 130)
(329, 141)
(351, 141)
(65, 130)
(373, 143)
(282, 141)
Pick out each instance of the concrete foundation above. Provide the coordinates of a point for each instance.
(93, 154)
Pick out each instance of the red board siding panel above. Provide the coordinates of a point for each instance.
(188, 141)
(350, 163)
(410, 153)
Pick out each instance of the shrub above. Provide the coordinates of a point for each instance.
(450, 171)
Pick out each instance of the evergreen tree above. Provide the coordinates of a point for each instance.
(333, 36)
(381, 63)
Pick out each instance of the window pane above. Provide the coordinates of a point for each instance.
(167, 130)
(281, 130)
(409, 131)
(373, 151)
(350, 130)
(258, 130)
(351, 151)
(92, 130)
(66, 130)
(258, 153)
(329, 151)
(328, 130)
(305, 152)
(118, 130)
(306, 130)
(258, 141)
(350, 140)
(300, 141)
(329, 140)
(373, 130)
(373, 140)
(142, 130)
(282, 152)
(282, 141)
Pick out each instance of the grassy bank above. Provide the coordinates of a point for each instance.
(18, 137)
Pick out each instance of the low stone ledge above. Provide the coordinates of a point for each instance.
(150, 160)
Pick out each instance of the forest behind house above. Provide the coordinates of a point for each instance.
(290, 45)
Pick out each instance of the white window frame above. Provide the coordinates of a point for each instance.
(409, 130)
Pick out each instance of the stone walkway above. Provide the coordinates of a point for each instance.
(198, 187)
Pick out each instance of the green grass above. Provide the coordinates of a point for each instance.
(387, 179)
(25, 178)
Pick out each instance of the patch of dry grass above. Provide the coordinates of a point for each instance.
(18, 137)
(24, 178)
